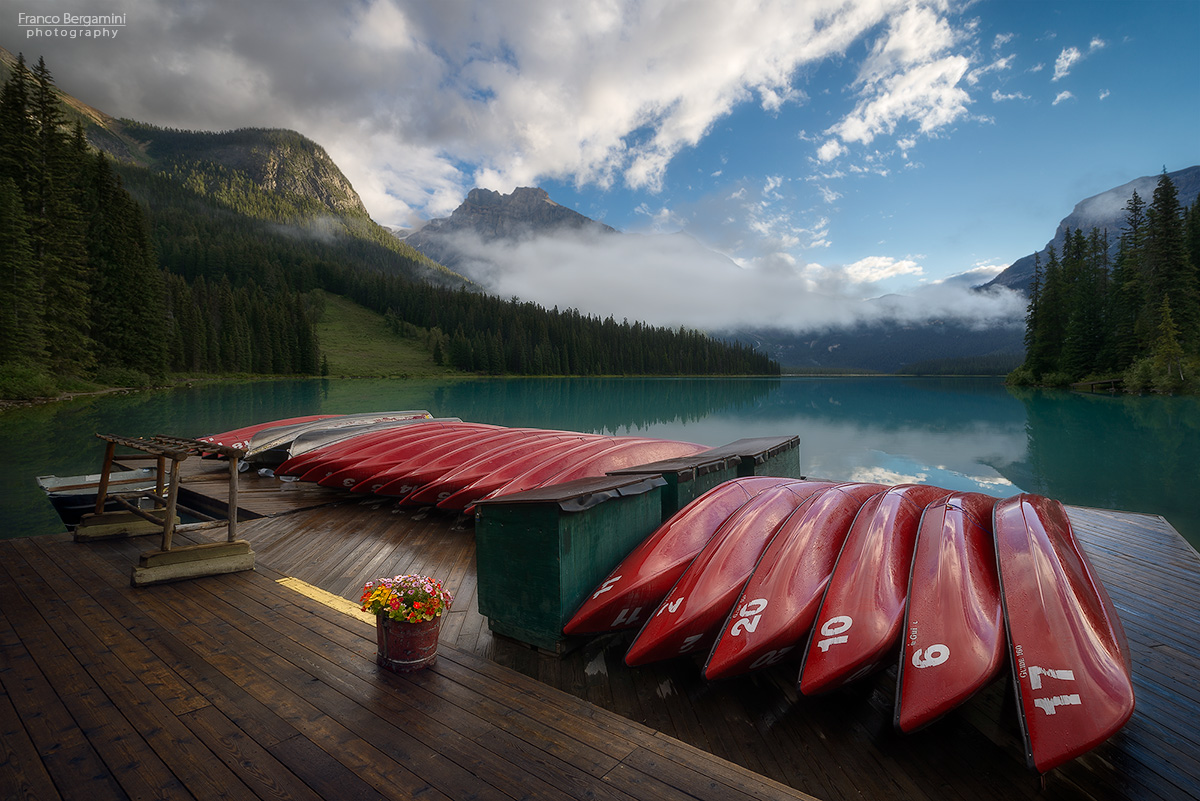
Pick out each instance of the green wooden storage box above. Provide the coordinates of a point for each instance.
(689, 477)
(539, 553)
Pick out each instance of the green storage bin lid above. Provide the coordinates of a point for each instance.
(583, 493)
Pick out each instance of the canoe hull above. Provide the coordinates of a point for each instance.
(857, 629)
(640, 582)
(954, 626)
(779, 602)
(690, 616)
(1070, 658)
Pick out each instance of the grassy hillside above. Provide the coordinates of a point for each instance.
(358, 342)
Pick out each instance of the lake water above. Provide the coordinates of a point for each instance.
(1134, 454)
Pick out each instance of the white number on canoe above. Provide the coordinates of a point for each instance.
(690, 643)
(748, 617)
(1047, 705)
(770, 657)
(606, 586)
(834, 629)
(932, 656)
(671, 607)
(627, 617)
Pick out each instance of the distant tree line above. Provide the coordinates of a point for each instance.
(1136, 318)
(122, 271)
(81, 289)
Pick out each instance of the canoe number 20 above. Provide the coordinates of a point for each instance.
(748, 617)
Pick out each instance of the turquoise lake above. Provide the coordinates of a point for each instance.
(1131, 453)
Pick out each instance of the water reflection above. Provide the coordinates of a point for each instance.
(1136, 454)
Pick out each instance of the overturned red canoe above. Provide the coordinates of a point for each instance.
(491, 469)
(954, 626)
(371, 445)
(691, 614)
(355, 472)
(779, 602)
(857, 628)
(643, 578)
(626, 452)
(1070, 659)
(270, 446)
(240, 437)
(351, 442)
(542, 471)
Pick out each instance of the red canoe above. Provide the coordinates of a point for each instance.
(691, 614)
(954, 625)
(857, 629)
(626, 452)
(542, 470)
(645, 576)
(492, 468)
(1070, 659)
(240, 437)
(355, 472)
(369, 446)
(355, 442)
(778, 604)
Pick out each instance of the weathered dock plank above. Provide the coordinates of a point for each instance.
(238, 684)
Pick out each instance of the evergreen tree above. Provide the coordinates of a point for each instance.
(20, 294)
(1168, 269)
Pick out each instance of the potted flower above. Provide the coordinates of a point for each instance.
(408, 617)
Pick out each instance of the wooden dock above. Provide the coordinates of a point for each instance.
(237, 686)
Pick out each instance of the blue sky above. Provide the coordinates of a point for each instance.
(835, 150)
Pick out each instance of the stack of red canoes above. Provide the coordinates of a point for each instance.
(846, 579)
(419, 460)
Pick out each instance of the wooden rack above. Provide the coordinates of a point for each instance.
(170, 562)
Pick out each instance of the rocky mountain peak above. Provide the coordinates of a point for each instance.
(488, 215)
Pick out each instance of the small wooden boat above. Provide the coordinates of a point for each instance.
(626, 452)
(1070, 659)
(269, 447)
(690, 616)
(240, 437)
(778, 604)
(74, 496)
(644, 577)
(857, 629)
(954, 627)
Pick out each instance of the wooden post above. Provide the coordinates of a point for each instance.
(233, 496)
(172, 497)
(102, 490)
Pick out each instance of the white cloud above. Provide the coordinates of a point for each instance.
(1068, 58)
(1062, 97)
(1104, 93)
(680, 282)
(873, 269)
(1097, 44)
(1000, 97)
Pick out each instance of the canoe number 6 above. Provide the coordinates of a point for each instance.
(748, 617)
(932, 656)
(834, 631)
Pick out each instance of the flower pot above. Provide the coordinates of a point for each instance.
(406, 647)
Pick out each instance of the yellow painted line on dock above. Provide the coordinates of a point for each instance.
(319, 595)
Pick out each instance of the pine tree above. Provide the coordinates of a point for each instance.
(20, 295)
(1167, 269)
